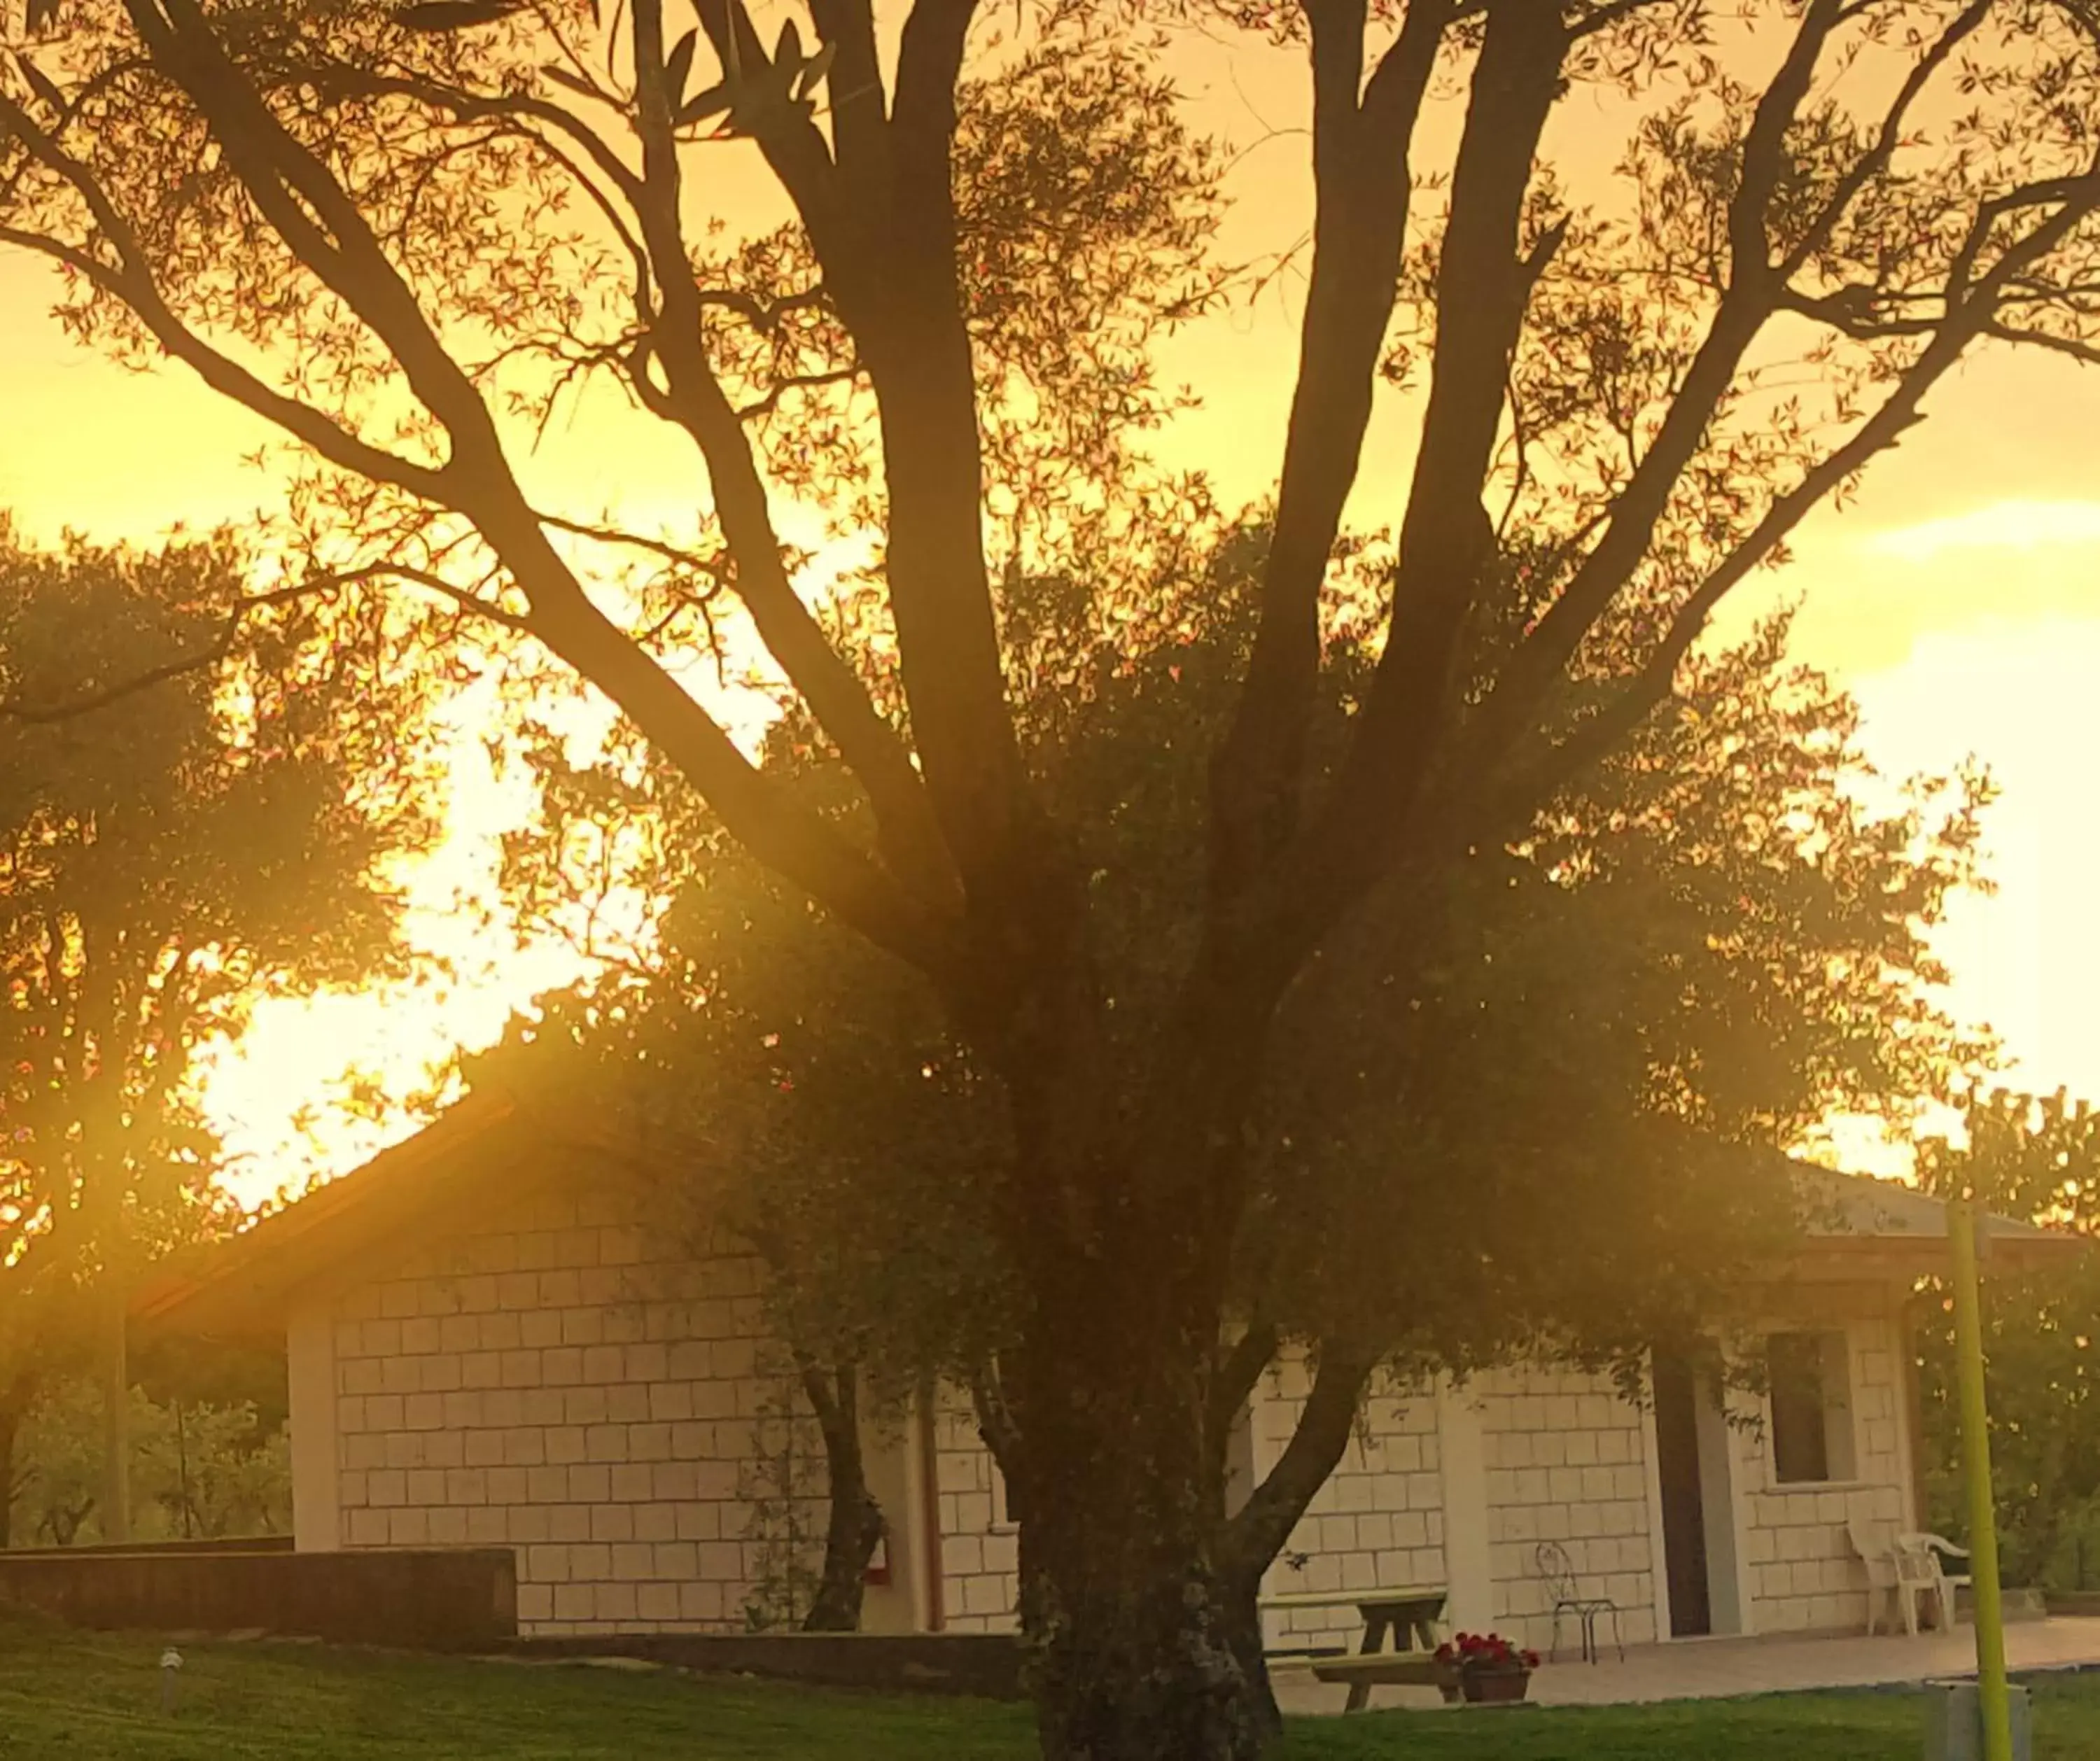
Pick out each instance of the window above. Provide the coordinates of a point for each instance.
(1810, 1377)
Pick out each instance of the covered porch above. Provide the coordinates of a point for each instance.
(1713, 1669)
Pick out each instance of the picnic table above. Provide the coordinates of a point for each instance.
(1407, 1616)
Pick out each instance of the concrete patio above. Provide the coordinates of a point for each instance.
(1711, 1669)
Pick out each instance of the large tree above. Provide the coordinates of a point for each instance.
(1564, 1144)
(168, 858)
(367, 222)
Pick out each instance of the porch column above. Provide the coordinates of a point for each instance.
(1468, 1563)
(1910, 1431)
(901, 1600)
(309, 1375)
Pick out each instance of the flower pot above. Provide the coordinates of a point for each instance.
(1496, 1686)
(1451, 1684)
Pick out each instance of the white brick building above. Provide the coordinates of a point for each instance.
(486, 1350)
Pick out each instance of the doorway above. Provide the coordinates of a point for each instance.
(1697, 1495)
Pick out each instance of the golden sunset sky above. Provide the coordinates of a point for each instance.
(1959, 598)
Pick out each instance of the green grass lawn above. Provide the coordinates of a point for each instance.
(67, 1694)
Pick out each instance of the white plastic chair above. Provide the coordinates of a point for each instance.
(1875, 1543)
(1920, 1570)
(1917, 1574)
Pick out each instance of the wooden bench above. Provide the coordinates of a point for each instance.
(1386, 1669)
(1407, 1616)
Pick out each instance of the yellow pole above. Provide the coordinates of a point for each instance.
(1961, 1219)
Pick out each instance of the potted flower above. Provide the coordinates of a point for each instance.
(1483, 1669)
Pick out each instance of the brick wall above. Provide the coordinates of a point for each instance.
(1566, 1460)
(559, 1385)
(1804, 1576)
(1377, 1523)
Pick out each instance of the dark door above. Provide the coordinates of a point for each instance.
(1683, 1511)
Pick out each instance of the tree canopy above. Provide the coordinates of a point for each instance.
(169, 856)
(2038, 1157)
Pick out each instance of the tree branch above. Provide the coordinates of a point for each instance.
(1764, 147)
(1235, 1378)
(130, 282)
(1596, 737)
(889, 259)
(1254, 1535)
(808, 381)
(2085, 354)
(693, 398)
(794, 146)
(859, 105)
(1362, 192)
(222, 644)
(300, 196)
(755, 808)
(899, 292)
(1755, 290)
(1447, 540)
(1876, 160)
(516, 109)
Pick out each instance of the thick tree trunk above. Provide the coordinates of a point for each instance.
(1236, 1380)
(856, 1522)
(1242, 1629)
(1134, 1659)
(1121, 1596)
(14, 1408)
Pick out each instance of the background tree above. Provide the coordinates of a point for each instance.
(748, 1106)
(2031, 1156)
(198, 1470)
(1633, 396)
(169, 856)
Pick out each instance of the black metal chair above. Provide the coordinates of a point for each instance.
(1558, 1569)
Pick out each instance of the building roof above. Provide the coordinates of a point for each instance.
(493, 1146)
(242, 1287)
(1855, 1225)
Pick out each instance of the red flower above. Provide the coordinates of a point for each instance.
(1486, 1652)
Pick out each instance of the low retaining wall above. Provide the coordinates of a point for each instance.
(2081, 1603)
(438, 1600)
(264, 1544)
(2015, 1602)
(984, 1665)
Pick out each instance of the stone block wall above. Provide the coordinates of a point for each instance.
(980, 1548)
(1377, 1523)
(1565, 1456)
(562, 1385)
(1804, 1575)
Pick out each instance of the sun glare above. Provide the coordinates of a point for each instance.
(2000, 526)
